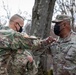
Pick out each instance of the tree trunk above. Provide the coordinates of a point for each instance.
(41, 27)
(41, 18)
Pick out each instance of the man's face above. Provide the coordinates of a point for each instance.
(18, 23)
(59, 26)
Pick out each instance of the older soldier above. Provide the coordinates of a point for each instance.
(64, 49)
(16, 22)
(15, 59)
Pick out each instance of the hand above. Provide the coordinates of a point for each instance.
(48, 40)
(26, 36)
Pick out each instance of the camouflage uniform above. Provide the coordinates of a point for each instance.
(64, 55)
(14, 49)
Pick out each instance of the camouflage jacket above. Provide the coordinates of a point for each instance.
(14, 49)
(64, 55)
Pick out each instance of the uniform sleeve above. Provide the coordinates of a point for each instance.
(13, 40)
(18, 41)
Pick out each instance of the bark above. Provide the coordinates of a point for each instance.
(41, 18)
(41, 27)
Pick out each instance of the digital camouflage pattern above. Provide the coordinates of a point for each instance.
(64, 55)
(14, 49)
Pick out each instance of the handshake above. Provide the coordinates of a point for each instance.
(46, 41)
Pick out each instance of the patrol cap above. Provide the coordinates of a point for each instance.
(60, 18)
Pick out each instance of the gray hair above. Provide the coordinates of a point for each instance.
(16, 16)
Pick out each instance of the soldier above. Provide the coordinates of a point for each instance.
(63, 50)
(16, 22)
(15, 58)
(14, 54)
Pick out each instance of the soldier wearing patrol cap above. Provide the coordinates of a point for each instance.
(62, 22)
(64, 49)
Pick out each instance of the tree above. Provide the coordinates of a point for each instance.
(7, 10)
(41, 18)
(67, 7)
(41, 26)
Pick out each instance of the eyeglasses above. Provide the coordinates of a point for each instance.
(19, 24)
(20, 29)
